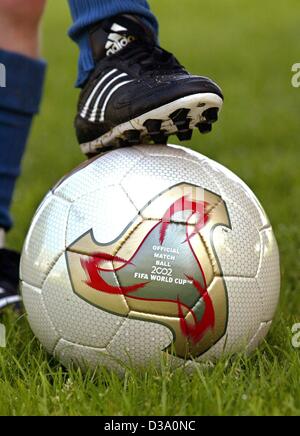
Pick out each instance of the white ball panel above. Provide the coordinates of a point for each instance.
(38, 317)
(76, 320)
(171, 151)
(259, 336)
(234, 189)
(85, 357)
(268, 276)
(45, 241)
(105, 170)
(140, 342)
(155, 174)
(244, 318)
(107, 211)
(238, 249)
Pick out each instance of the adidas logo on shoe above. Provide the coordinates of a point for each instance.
(117, 40)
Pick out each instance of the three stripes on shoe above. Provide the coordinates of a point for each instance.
(95, 107)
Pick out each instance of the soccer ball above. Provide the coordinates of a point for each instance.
(147, 252)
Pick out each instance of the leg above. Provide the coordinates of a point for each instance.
(133, 91)
(20, 95)
(19, 25)
(19, 100)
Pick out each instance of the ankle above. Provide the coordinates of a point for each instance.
(2, 238)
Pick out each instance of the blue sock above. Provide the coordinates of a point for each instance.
(19, 101)
(88, 12)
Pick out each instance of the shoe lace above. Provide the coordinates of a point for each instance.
(152, 59)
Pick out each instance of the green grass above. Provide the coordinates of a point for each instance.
(249, 47)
